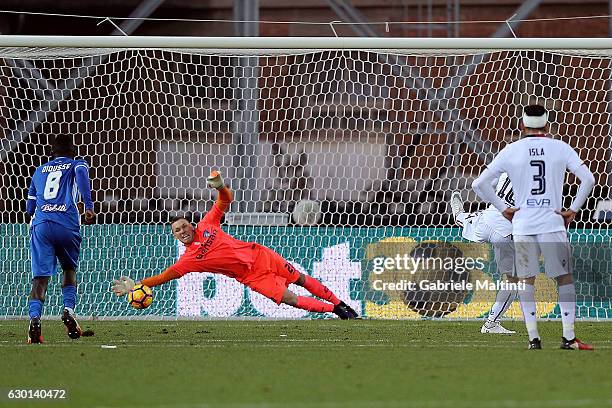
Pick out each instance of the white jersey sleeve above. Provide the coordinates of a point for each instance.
(482, 185)
(577, 167)
(573, 160)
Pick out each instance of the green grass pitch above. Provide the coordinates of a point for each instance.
(321, 363)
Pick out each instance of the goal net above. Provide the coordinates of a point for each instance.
(339, 158)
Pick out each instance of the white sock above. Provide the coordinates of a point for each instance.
(528, 306)
(567, 303)
(502, 302)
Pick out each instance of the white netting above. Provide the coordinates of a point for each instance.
(331, 154)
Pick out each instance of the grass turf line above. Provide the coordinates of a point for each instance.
(322, 363)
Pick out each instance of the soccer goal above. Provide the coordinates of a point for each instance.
(340, 151)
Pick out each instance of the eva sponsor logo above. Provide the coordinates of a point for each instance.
(538, 202)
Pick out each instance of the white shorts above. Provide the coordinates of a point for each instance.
(476, 229)
(472, 230)
(503, 250)
(554, 248)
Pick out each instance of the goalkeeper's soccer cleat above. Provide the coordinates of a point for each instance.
(342, 311)
(495, 328)
(456, 203)
(72, 326)
(535, 344)
(35, 331)
(574, 344)
(350, 310)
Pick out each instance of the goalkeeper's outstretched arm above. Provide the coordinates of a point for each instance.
(124, 284)
(225, 198)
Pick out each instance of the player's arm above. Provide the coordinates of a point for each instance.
(224, 199)
(587, 181)
(81, 172)
(483, 188)
(31, 202)
(124, 284)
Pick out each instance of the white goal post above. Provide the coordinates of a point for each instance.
(339, 150)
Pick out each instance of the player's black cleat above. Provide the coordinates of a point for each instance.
(72, 327)
(349, 309)
(342, 311)
(35, 331)
(535, 344)
(574, 344)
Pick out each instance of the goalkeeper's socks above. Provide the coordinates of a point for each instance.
(69, 294)
(319, 290)
(35, 308)
(567, 304)
(528, 305)
(314, 305)
(502, 302)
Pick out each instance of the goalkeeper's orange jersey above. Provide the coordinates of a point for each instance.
(213, 250)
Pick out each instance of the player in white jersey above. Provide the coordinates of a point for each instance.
(490, 226)
(536, 166)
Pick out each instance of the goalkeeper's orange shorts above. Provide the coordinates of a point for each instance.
(271, 274)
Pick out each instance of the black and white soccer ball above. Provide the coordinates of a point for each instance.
(306, 213)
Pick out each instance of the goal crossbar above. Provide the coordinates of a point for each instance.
(329, 43)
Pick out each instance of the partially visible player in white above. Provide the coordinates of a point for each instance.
(536, 166)
(490, 226)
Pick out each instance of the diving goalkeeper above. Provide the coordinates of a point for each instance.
(209, 249)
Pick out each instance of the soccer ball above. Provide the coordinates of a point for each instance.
(307, 213)
(140, 297)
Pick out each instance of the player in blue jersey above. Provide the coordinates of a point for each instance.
(55, 230)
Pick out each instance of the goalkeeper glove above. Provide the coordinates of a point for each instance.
(215, 180)
(122, 286)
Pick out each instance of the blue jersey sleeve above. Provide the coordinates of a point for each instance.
(31, 202)
(81, 172)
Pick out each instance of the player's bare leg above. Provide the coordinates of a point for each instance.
(37, 299)
(567, 304)
(321, 291)
(69, 294)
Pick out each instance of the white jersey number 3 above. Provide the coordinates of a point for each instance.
(52, 185)
(539, 177)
